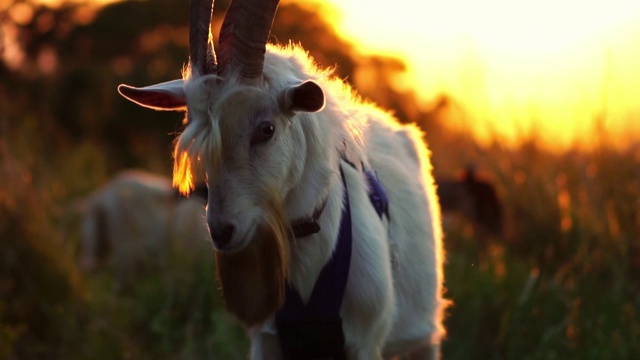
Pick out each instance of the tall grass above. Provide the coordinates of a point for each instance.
(562, 284)
(49, 309)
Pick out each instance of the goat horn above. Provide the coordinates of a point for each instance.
(243, 37)
(201, 52)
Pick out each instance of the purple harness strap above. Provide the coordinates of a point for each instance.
(314, 330)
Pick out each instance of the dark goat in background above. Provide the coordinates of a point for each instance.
(475, 199)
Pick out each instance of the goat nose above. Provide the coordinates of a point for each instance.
(221, 235)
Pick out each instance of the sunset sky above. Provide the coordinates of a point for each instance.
(548, 66)
(551, 67)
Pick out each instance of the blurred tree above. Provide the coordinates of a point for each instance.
(69, 59)
(304, 26)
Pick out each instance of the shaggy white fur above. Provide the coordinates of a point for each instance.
(394, 297)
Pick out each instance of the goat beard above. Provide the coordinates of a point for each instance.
(254, 278)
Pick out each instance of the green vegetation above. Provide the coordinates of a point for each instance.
(561, 284)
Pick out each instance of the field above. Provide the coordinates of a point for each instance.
(562, 283)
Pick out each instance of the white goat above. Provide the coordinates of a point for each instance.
(134, 218)
(282, 143)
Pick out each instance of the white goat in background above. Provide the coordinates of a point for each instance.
(286, 148)
(132, 220)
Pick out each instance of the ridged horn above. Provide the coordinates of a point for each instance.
(201, 52)
(243, 37)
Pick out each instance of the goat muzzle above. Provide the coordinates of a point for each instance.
(254, 278)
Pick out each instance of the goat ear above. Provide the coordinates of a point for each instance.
(164, 96)
(307, 97)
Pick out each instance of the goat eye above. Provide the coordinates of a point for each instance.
(263, 132)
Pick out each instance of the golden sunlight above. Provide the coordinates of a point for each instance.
(182, 172)
(564, 71)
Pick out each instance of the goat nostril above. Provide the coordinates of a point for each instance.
(221, 235)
